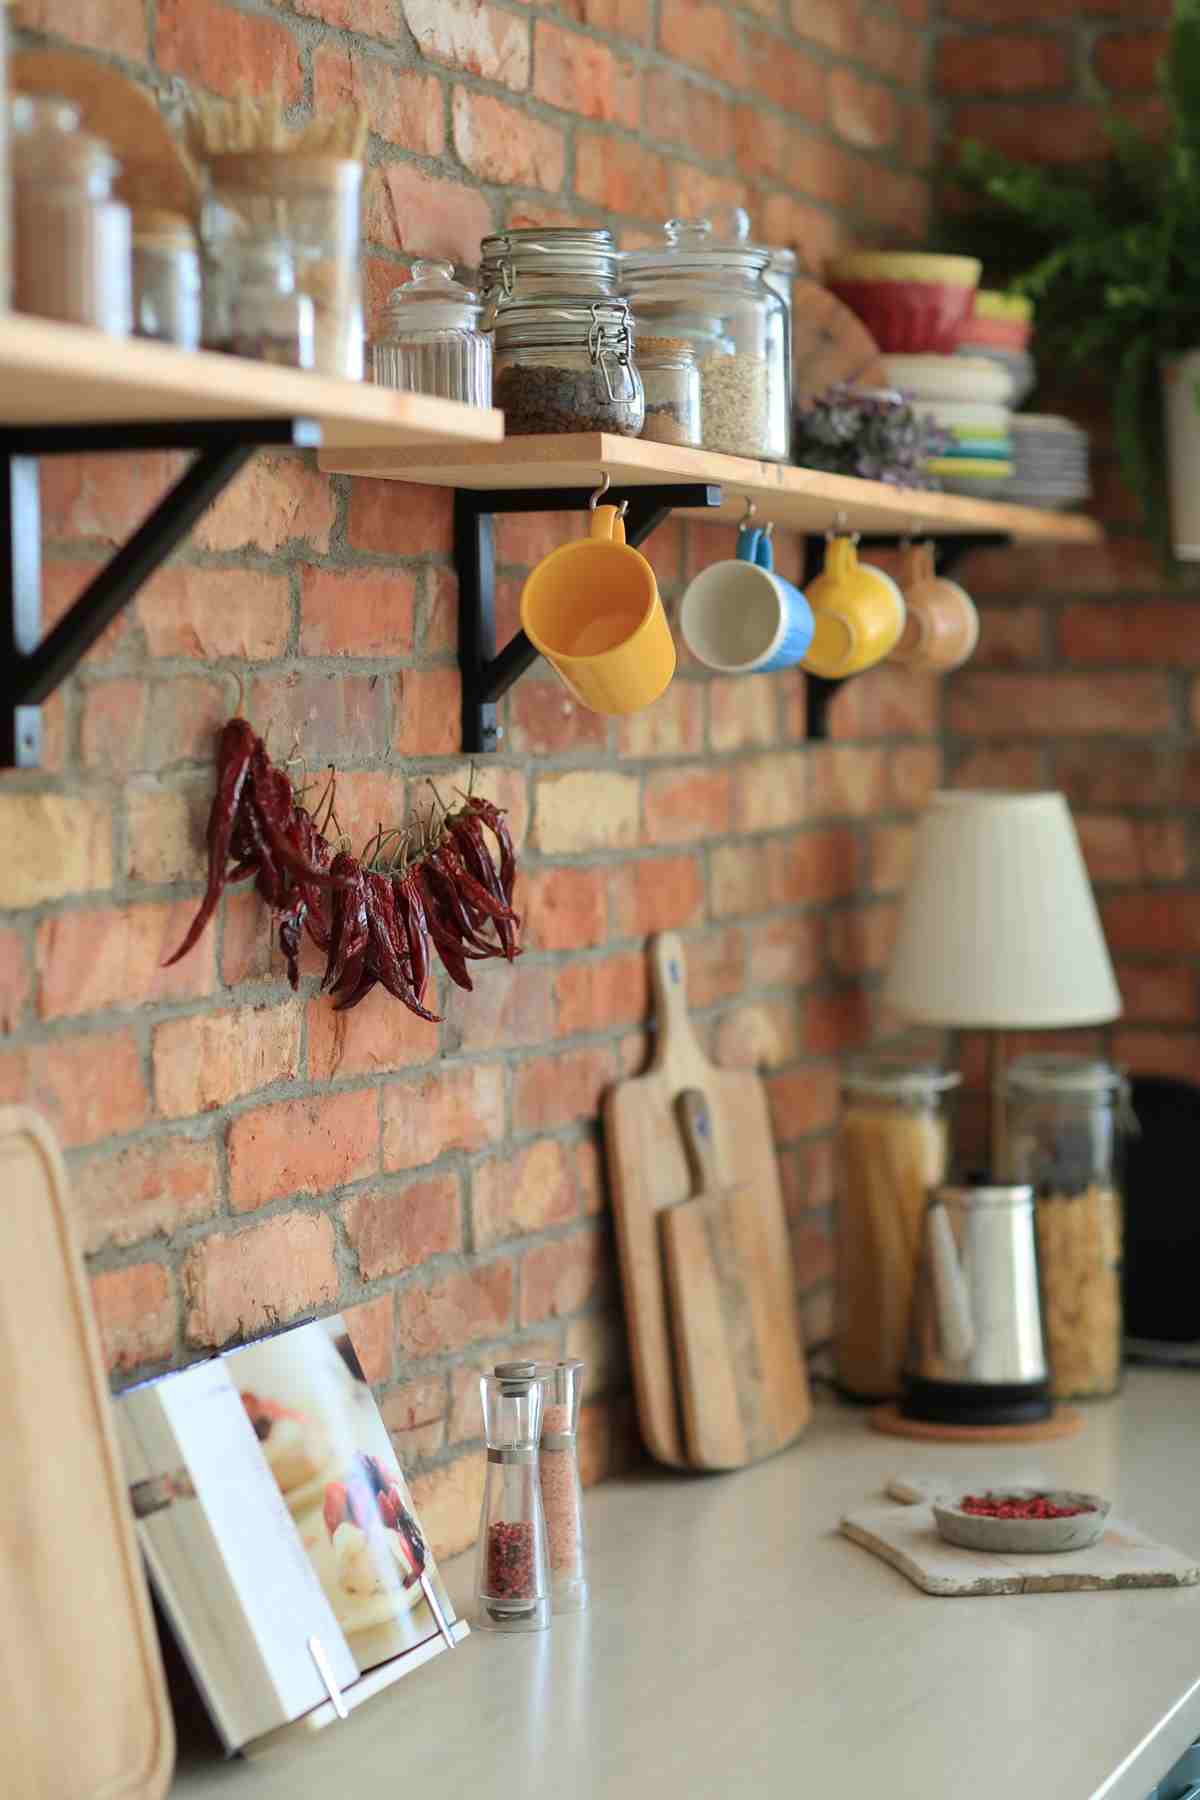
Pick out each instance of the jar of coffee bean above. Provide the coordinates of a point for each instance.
(561, 367)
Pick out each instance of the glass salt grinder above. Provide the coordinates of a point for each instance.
(512, 1580)
(562, 1496)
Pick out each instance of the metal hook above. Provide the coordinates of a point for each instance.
(750, 511)
(600, 493)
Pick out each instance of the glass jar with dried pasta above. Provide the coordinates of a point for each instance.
(1065, 1121)
(893, 1148)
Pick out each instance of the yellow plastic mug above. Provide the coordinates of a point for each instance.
(592, 609)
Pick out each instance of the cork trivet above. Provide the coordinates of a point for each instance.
(1064, 1422)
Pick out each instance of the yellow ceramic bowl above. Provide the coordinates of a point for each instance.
(906, 265)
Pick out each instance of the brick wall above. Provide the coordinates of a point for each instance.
(1088, 672)
(238, 1154)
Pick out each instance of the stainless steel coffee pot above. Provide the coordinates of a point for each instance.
(976, 1350)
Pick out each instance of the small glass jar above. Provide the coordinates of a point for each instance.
(671, 383)
(512, 1574)
(546, 262)
(166, 279)
(268, 320)
(562, 1495)
(431, 342)
(71, 238)
(314, 203)
(565, 368)
(743, 376)
(893, 1149)
(1065, 1122)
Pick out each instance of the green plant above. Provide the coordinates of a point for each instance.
(1110, 254)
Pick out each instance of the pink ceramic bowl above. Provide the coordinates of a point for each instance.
(911, 303)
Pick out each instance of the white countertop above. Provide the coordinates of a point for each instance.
(737, 1646)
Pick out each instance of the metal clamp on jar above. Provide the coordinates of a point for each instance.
(561, 263)
(565, 368)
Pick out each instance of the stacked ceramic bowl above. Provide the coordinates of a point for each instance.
(1000, 326)
(968, 399)
(911, 303)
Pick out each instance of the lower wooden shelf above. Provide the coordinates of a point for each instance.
(796, 499)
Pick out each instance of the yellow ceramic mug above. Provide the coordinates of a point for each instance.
(858, 613)
(592, 609)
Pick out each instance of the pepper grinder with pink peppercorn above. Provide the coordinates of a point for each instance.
(562, 1498)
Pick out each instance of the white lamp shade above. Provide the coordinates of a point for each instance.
(999, 928)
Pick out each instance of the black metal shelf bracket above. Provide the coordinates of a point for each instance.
(821, 690)
(31, 668)
(486, 676)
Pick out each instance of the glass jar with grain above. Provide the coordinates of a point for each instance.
(893, 1148)
(564, 368)
(71, 239)
(1065, 1122)
(671, 382)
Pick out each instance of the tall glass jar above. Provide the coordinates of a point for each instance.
(562, 368)
(893, 1149)
(512, 1579)
(1065, 1120)
(733, 227)
(431, 342)
(71, 243)
(546, 262)
(671, 382)
(562, 1496)
(743, 375)
(313, 201)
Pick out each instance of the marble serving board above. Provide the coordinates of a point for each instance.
(907, 1537)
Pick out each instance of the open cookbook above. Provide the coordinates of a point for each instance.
(279, 1532)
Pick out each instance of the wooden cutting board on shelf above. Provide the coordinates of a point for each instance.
(649, 1172)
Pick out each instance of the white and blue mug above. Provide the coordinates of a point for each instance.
(740, 617)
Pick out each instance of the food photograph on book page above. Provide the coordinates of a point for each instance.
(328, 1449)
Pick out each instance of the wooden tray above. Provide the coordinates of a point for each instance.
(85, 1713)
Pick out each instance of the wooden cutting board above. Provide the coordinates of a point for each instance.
(83, 1706)
(648, 1171)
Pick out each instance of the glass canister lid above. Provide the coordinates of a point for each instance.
(549, 250)
(732, 226)
(690, 244)
(1059, 1072)
(431, 301)
(892, 1075)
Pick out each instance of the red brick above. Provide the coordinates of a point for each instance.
(113, 956)
(559, 1278)
(1010, 636)
(862, 112)
(890, 47)
(786, 952)
(835, 23)
(686, 806)
(621, 176)
(210, 613)
(545, 720)
(565, 909)
(1100, 776)
(472, 36)
(401, 105)
(772, 791)
(860, 941)
(87, 1087)
(302, 1147)
(117, 27)
(130, 724)
(393, 1229)
(375, 1038)
(836, 1022)
(897, 202)
(1061, 705)
(803, 1100)
(365, 799)
(1000, 766)
(812, 1251)
(14, 980)
(1159, 924)
(1129, 60)
(1039, 12)
(501, 144)
(523, 539)
(422, 215)
(445, 1316)
(555, 1090)
(359, 613)
(788, 76)
(428, 712)
(165, 832)
(753, 1037)
(678, 111)
(415, 1416)
(512, 1196)
(207, 1060)
(589, 1178)
(1164, 632)
(1116, 566)
(716, 966)
(770, 145)
(448, 1109)
(703, 34)
(218, 48)
(103, 496)
(334, 718)
(1120, 849)
(586, 810)
(891, 854)
(135, 1311)
(893, 703)
(816, 1175)
(697, 194)
(622, 18)
(815, 865)
(372, 1328)
(276, 501)
(580, 75)
(742, 713)
(850, 781)
(659, 894)
(238, 1283)
(1070, 131)
(1174, 1053)
(120, 1197)
(738, 879)
(993, 63)
(509, 1008)
(393, 520)
(370, 18)
(1157, 993)
(594, 996)
(448, 1500)
(673, 726)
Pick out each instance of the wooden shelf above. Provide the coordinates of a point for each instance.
(52, 374)
(797, 499)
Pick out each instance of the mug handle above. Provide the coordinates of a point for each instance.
(764, 556)
(607, 523)
(747, 543)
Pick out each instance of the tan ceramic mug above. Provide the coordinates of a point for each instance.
(941, 626)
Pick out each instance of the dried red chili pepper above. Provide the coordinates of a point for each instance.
(349, 932)
(275, 805)
(410, 916)
(447, 859)
(234, 758)
(388, 962)
(467, 833)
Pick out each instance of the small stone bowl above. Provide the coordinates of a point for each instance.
(971, 1531)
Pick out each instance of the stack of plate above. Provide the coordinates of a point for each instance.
(1001, 327)
(968, 398)
(1050, 466)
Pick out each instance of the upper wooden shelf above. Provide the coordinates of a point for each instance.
(797, 499)
(52, 374)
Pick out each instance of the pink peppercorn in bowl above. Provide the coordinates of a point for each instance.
(1070, 1520)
